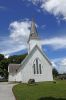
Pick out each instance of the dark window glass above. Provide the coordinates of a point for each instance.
(40, 68)
(37, 66)
(34, 68)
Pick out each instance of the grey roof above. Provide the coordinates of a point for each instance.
(12, 68)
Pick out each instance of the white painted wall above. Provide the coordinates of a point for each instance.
(32, 44)
(18, 77)
(27, 72)
(12, 77)
(15, 77)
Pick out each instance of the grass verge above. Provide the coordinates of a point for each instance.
(41, 91)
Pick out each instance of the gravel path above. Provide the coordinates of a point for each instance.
(6, 91)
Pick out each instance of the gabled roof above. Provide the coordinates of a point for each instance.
(12, 68)
(27, 57)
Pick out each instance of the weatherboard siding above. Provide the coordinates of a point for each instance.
(28, 73)
(32, 44)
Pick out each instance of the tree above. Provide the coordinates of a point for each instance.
(17, 59)
(4, 68)
(1, 57)
(55, 72)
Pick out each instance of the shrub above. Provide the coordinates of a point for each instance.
(31, 81)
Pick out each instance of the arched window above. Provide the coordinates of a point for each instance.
(37, 67)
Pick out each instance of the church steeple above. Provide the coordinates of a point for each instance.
(33, 32)
(33, 38)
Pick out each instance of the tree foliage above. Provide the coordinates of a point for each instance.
(16, 59)
(1, 57)
(55, 72)
(4, 67)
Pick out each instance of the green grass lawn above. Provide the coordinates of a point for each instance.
(41, 91)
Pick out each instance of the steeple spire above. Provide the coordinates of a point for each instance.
(33, 32)
(33, 27)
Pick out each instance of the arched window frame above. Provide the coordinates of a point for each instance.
(37, 67)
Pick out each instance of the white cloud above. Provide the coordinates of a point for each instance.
(17, 40)
(8, 46)
(60, 61)
(20, 30)
(60, 64)
(55, 7)
(6, 56)
(55, 43)
(63, 62)
(53, 64)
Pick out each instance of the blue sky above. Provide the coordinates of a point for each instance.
(50, 18)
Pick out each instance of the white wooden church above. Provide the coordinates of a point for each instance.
(35, 66)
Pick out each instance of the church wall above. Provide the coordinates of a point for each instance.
(18, 76)
(15, 77)
(12, 77)
(28, 73)
(32, 44)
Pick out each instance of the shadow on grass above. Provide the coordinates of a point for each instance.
(50, 98)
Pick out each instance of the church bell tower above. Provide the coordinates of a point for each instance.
(33, 38)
